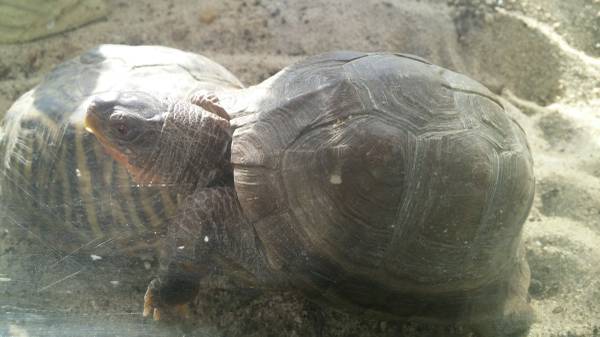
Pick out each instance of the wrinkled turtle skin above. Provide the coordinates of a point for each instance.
(375, 182)
(56, 181)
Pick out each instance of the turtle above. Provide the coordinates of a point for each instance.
(56, 181)
(374, 182)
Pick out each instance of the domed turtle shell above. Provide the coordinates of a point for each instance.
(56, 180)
(387, 182)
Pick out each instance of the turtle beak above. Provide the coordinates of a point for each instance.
(90, 123)
(93, 122)
(98, 111)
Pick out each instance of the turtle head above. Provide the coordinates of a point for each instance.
(160, 140)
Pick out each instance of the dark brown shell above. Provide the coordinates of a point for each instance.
(387, 182)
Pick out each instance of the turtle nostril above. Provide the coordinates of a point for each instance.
(122, 128)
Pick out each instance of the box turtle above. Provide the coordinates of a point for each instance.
(375, 182)
(55, 180)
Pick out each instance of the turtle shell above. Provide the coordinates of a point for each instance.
(56, 179)
(387, 182)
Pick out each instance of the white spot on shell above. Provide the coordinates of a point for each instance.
(206, 238)
(96, 257)
(335, 179)
(181, 247)
(147, 265)
(77, 172)
(114, 283)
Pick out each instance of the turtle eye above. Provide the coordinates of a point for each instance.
(122, 129)
(125, 128)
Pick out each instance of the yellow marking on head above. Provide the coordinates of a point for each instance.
(90, 123)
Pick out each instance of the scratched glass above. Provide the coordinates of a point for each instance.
(315, 168)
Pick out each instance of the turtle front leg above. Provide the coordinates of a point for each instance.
(209, 233)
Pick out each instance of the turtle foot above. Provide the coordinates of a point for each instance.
(209, 102)
(169, 308)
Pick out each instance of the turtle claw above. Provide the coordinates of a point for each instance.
(150, 300)
(209, 102)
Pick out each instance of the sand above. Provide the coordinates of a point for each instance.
(543, 55)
